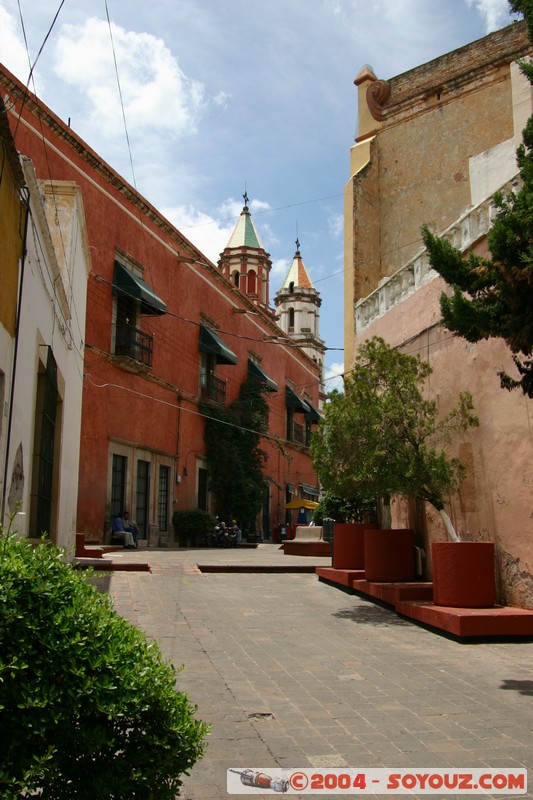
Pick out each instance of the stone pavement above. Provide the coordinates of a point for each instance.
(292, 672)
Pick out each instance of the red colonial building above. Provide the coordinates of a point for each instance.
(165, 329)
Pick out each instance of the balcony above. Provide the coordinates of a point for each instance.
(132, 343)
(214, 389)
(296, 433)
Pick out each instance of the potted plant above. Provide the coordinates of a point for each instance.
(382, 437)
(351, 517)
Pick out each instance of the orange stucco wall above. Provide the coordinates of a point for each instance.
(12, 216)
(154, 415)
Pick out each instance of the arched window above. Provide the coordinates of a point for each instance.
(235, 278)
(252, 282)
(291, 287)
(291, 319)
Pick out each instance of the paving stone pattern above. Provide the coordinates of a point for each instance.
(292, 672)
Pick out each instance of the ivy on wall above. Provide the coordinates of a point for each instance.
(235, 458)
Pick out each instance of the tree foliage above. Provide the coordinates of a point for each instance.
(234, 453)
(88, 706)
(383, 437)
(345, 509)
(493, 297)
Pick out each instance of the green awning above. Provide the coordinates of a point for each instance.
(127, 284)
(296, 403)
(256, 372)
(313, 416)
(213, 344)
(307, 488)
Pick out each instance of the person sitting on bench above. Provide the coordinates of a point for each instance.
(123, 527)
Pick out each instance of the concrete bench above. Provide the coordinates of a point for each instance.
(83, 550)
(87, 551)
(308, 541)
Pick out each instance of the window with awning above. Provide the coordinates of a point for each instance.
(313, 416)
(255, 371)
(127, 284)
(211, 344)
(295, 402)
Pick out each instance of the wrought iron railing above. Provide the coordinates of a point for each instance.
(133, 343)
(214, 389)
(296, 433)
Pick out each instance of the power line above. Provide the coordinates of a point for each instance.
(120, 94)
(263, 211)
(30, 76)
(142, 395)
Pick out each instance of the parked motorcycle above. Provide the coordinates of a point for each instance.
(222, 536)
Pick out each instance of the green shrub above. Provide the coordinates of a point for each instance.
(88, 706)
(345, 509)
(191, 524)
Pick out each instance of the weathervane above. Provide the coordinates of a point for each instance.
(245, 196)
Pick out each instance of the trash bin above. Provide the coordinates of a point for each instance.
(282, 533)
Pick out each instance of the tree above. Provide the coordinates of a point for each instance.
(88, 704)
(381, 437)
(234, 454)
(494, 297)
(345, 509)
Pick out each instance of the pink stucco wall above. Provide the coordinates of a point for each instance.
(495, 502)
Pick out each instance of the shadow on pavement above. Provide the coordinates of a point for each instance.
(373, 615)
(523, 687)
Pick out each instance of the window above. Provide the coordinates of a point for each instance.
(291, 320)
(295, 431)
(202, 488)
(255, 371)
(143, 497)
(118, 484)
(211, 387)
(252, 282)
(133, 298)
(44, 448)
(163, 498)
(213, 351)
(295, 405)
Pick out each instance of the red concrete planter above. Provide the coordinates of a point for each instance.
(349, 544)
(389, 555)
(463, 574)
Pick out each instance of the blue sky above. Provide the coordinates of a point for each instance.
(220, 97)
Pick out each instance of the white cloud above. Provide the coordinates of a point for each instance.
(333, 377)
(207, 234)
(280, 268)
(336, 225)
(157, 95)
(494, 12)
(222, 99)
(13, 52)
